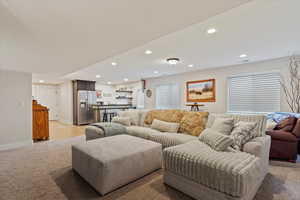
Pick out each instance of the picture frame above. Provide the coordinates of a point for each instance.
(201, 91)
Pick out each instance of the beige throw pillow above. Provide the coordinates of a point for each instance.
(216, 140)
(242, 133)
(126, 121)
(223, 125)
(165, 126)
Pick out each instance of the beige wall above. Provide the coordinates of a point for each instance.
(221, 75)
(15, 109)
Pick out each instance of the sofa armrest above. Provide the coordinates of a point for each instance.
(282, 136)
(104, 129)
(259, 146)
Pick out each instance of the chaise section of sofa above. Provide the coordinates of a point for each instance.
(231, 174)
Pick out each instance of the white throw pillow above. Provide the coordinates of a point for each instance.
(165, 126)
(223, 125)
(242, 133)
(217, 141)
(126, 121)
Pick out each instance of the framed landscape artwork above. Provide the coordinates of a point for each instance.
(201, 91)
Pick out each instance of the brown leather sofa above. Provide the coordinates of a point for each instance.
(285, 138)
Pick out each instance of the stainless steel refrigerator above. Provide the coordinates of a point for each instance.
(85, 102)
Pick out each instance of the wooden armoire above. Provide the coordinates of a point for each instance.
(40, 122)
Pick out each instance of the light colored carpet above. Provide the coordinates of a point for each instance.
(43, 171)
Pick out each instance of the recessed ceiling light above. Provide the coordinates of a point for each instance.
(108, 82)
(98, 76)
(148, 52)
(173, 61)
(42, 81)
(211, 31)
(243, 56)
(191, 65)
(125, 79)
(114, 64)
(155, 72)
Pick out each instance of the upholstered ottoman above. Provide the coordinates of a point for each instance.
(103, 129)
(111, 162)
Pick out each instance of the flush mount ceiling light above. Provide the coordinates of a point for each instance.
(173, 61)
(148, 52)
(211, 31)
(108, 82)
(42, 81)
(243, 56)
(191, 65)
(98, 76)
(155, 72)
(114, 64)
(125, 79)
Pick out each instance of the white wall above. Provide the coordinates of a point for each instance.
(65, 96)
(15, 109)
(135, 87)
(108, 89)
(221, 75)
(48, 95)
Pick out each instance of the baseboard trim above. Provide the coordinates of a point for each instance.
(15, 145)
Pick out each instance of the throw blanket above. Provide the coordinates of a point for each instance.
(110, 129)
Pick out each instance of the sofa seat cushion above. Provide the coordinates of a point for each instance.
(142, 132)
(166, 139)
(232, 173)
(171, 139)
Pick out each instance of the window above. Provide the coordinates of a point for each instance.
(167, 96)
(254, 93)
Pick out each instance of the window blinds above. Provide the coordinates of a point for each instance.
(254, 93)
(167, 96)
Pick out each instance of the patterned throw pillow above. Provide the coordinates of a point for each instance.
(242, 133)
(193, 123)
(223, 125)
(216, 140)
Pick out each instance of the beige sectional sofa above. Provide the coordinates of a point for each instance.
(193, 167)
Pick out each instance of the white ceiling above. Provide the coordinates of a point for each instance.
(262, 29)
(57, 37)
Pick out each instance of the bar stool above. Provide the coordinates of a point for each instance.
(111, 115)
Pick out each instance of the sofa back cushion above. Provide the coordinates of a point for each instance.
(193, 123)
(126, 121)
(134, 116)
(223, 125)
(296, 130)
(163, 126)
(287, 124)
(260, 121)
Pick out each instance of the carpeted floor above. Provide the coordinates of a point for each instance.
(43, 171)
